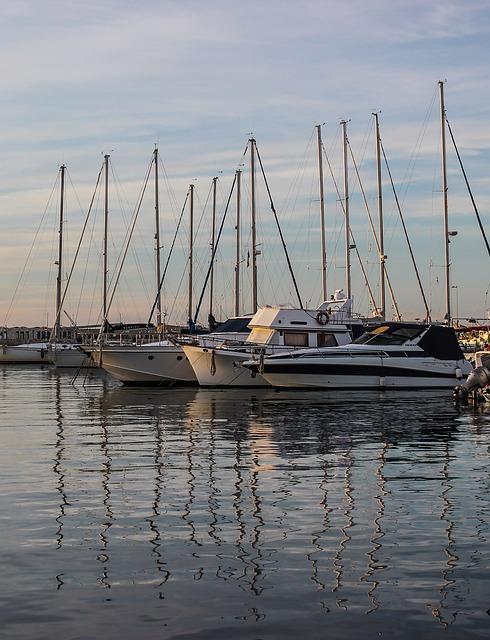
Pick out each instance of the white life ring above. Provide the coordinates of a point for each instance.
(322, 317)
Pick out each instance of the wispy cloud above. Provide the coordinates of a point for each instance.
(80, 79)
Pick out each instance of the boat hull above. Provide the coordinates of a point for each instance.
(71, 357)
(222, 368)
(165, 365)
(24, 354)
(366, 374)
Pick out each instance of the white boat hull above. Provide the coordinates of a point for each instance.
(24, 354)
(69, 357)
(164, 365)
(346, 375)
(222, 368)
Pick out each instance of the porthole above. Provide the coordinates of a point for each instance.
(179, 357)
(150, 357)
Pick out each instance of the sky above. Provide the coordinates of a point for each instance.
(84, 79)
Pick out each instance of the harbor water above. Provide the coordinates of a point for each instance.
(256, 513)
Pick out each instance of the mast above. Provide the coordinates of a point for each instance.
(213, 240)
(323, 261)
(57, 327)
(254, 228)
(444, 203)
(237, 258)
(106, 230)
(191, 247)
(382, 257)
(346, 211)
(157, 241)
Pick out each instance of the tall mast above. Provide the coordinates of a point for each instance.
(323, 261)
(57, 328)
(346, 212)
(157, 240)
(254, 228)
(444, 201)
(191, 247)
(237, 258)
(106, 231)
(213, 240)
(382, 257)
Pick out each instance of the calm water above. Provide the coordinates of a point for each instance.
(142, 513)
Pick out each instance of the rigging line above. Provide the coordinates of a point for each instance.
(198, 228)
(160, 285)
(409, 244)
(81, 211)
(392, 295)
(480, 224)
(366, 280)
(130, 225)
(24, 268)
(215, 248)
(279, 229)
(87, 261)
(415, 154)
(176, 297)
(123, 205)
(58, 311)
(122, 256)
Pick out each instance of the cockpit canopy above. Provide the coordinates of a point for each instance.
(436, 340)
(391, 334)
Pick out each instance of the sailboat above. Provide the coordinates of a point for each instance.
(162, 362)
(48, 351)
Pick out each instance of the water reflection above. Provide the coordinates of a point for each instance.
(235, 505)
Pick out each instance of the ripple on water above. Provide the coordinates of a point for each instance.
(239, 513)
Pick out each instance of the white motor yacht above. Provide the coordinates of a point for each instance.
(218, 362)
(392, 355)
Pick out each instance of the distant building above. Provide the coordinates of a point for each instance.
(21, 335)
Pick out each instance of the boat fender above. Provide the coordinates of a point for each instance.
(458, 373)
(43, 353)
(261, 363)
(212, 368)
(322, 317)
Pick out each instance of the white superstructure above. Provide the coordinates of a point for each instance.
(218, 362)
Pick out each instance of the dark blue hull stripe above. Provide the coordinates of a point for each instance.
(322, 369)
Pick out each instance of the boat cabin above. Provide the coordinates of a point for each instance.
(330, 325)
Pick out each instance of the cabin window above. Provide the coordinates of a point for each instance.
(260, 335)
(295, 339)
(326, 340)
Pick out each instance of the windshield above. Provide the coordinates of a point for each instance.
(387, 335)
(234, 325)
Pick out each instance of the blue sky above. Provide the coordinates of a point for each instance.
(80, 79)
